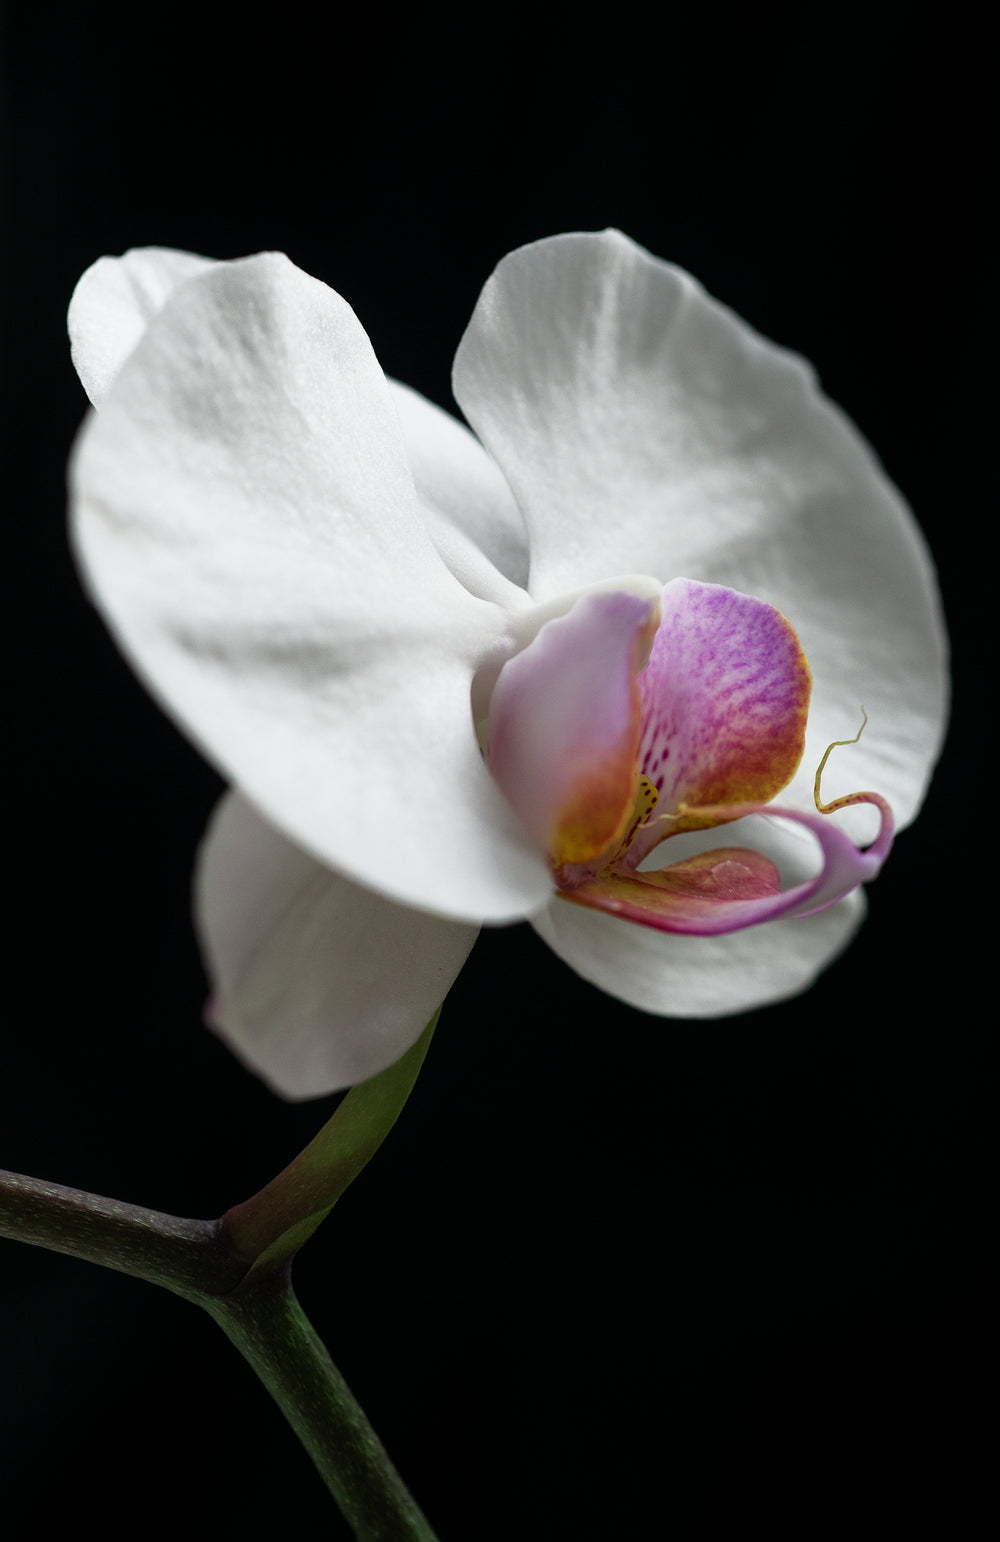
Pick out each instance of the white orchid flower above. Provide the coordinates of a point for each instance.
(461, 677)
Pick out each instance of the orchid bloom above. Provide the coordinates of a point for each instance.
(527, 670)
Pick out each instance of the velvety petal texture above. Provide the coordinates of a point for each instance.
(113, 304)
(469, 509)
(318, 982)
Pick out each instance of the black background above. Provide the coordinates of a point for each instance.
(612, 1276)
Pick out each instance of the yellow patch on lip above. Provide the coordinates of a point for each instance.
(593, 820)
(644, 799)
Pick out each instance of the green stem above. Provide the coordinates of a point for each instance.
(270, 1227)
(238, 1269)
(269, 1328)
(260, 1314)
(189, 1257)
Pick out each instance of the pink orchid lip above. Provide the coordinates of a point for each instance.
(733, 888)
(623, 723)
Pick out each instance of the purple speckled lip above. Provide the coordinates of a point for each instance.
(623, 724)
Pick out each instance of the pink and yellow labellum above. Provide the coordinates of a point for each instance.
(625, 722)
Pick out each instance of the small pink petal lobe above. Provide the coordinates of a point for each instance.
(564, 724)
(703, 894)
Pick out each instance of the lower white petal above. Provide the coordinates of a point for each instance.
(699, 976)
(318, 983)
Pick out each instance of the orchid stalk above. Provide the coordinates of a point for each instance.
(238, 1269)
(581, 662)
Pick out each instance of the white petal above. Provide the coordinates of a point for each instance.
(469, 510)
(114, 302)
(643, 426)
(247, 521)
(468, 507)
(318, 983)
(676, 976)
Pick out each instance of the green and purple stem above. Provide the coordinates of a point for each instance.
(238, 1269)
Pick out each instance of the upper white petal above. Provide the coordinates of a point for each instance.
(113, 304)
(643, 426)
(246, 518)
(318, 983)
(469, 510)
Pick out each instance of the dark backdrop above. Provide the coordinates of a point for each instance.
(612, 1276)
